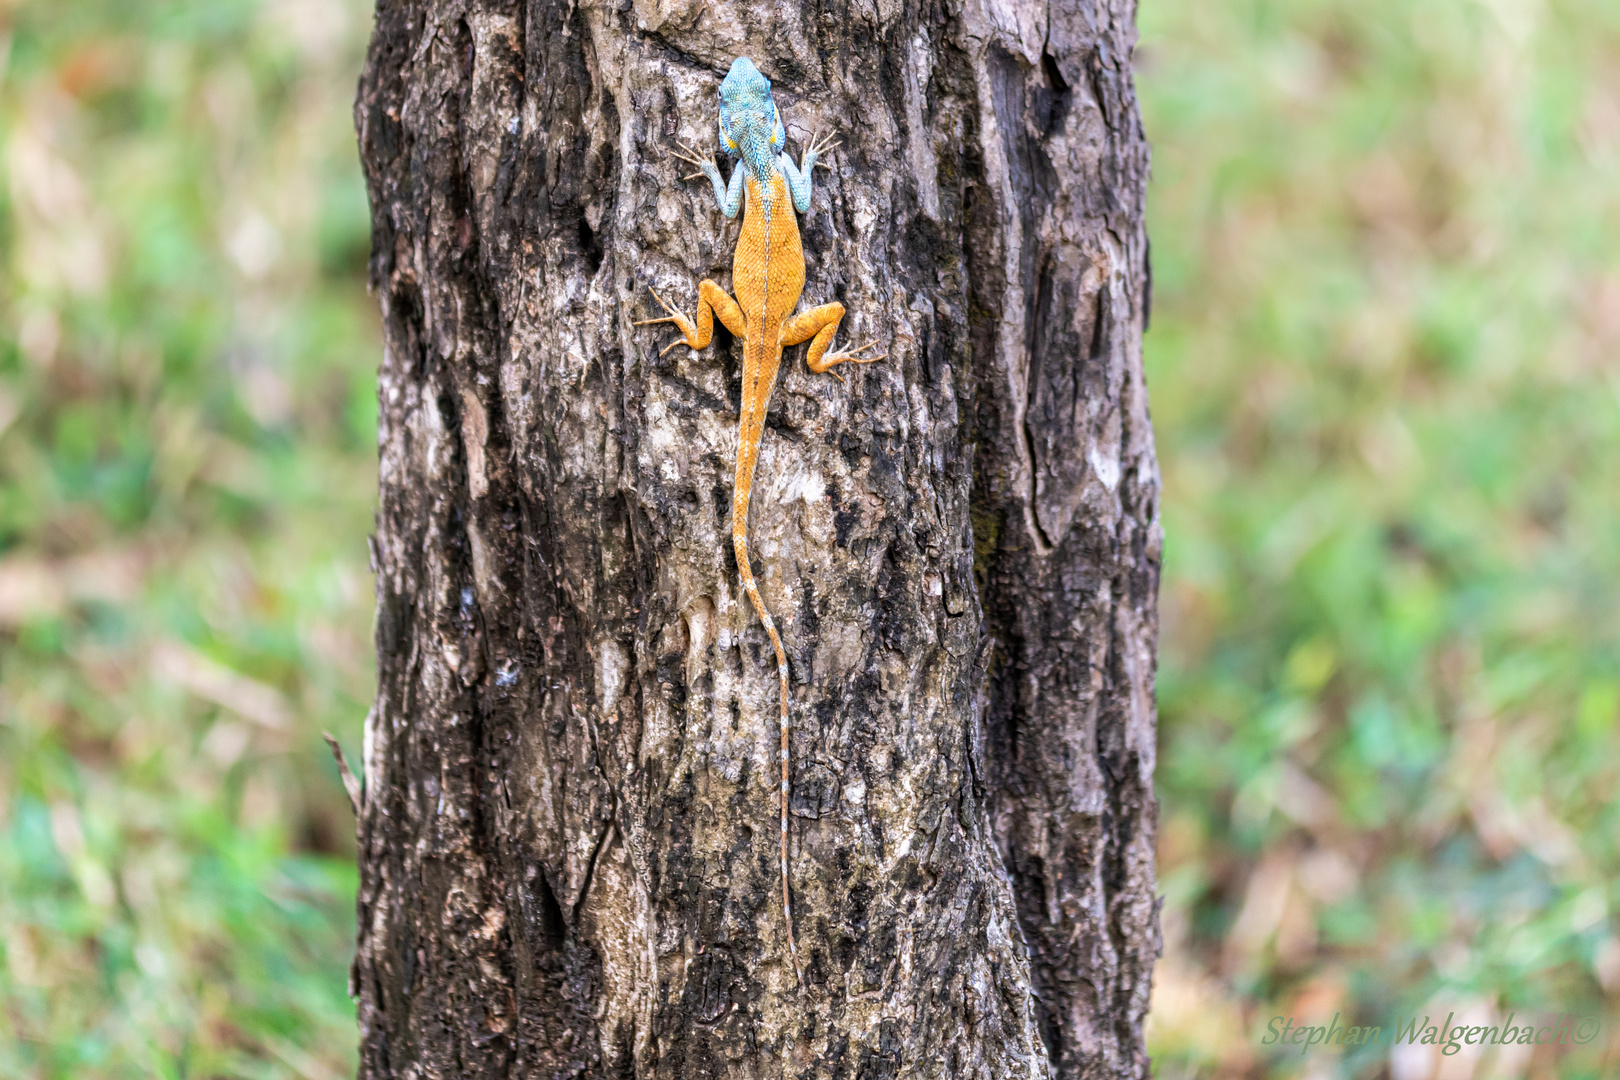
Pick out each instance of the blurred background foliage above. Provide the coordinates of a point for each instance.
(187, 470)
(1384, 374)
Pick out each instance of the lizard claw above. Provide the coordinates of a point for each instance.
(849, 355)
(671, 317)
(674, 316)
(818, 146)
(692, 156)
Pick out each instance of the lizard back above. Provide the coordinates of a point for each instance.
(767, 276)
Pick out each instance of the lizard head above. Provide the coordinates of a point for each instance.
(750, 126)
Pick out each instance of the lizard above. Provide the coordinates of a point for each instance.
(767, 274)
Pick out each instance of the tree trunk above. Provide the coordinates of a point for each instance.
(568, 840)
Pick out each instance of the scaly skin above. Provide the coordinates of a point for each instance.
(767, 272)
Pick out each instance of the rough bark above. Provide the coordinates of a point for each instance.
(568, 836)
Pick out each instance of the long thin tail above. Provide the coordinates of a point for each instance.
(740, 543)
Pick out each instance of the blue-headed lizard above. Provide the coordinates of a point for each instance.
(767, 274)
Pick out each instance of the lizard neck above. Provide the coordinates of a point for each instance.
(763, 177)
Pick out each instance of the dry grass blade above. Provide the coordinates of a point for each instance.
(351, 783)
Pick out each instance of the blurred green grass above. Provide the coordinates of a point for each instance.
(1385, 376)
(187, 470)
(1386, 388)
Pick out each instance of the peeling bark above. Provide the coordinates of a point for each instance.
(568, 836)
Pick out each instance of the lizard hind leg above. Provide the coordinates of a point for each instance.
(697, 332)
(818, 325)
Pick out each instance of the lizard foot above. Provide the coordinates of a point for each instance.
(675, 317)
(692, 156)
(847, 356)
(819, 146)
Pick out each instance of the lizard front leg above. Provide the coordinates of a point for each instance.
(698, 331)
(799, 180)
(820, 324)
(729, 196)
